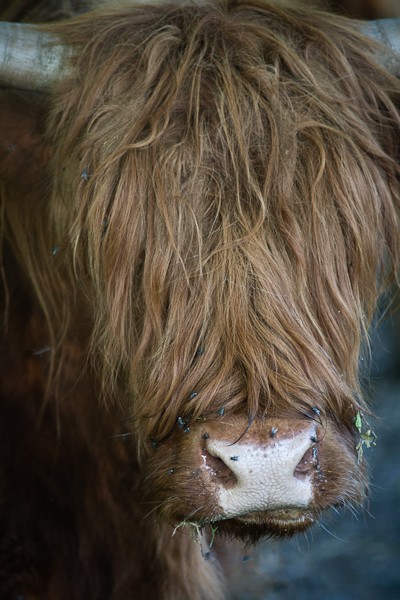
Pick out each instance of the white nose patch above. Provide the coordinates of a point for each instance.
(264, 473)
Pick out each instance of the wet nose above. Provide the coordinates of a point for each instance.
(252, 476)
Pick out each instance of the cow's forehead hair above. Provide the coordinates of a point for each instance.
(238, 195)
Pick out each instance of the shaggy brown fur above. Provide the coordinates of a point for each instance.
(197, 181)
(202, 234)
(72, 516)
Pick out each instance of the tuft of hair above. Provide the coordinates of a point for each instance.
(224, 178)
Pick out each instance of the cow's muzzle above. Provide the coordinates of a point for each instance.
(254, 475)
(276, 476)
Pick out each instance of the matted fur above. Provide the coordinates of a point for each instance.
(206, 226)
(226, 179)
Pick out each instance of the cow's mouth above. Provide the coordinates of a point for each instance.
(281, 519)
(283, 522)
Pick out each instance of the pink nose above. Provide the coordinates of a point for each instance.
(252, 475)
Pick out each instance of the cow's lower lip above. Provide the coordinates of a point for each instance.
(284, 522)
(278, 517)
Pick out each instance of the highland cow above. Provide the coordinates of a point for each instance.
(197, 218)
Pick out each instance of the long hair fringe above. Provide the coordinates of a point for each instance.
(224, 204)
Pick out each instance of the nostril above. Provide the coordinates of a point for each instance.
(307, 464)
(218, 469)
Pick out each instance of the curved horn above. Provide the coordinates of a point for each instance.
(387, 32)
(29, 58)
